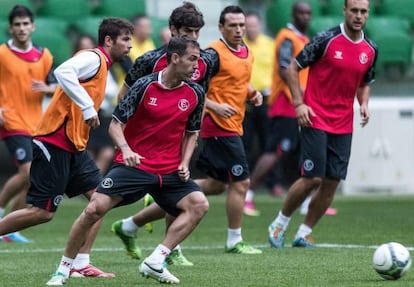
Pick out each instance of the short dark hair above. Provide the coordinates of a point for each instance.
(230, 9)
(186, 15)
(20, 11)
(136, 18)
(113, 27)
(178, 45)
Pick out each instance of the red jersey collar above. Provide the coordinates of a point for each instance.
(108, 59)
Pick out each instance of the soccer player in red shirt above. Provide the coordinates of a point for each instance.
(155, 127)
(341, 65)
(185, 20)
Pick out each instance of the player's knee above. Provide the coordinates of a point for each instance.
(43, 216)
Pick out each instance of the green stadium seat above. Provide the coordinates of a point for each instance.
(69, 11)
(322, 23)
(334, 7)
(7, 5)
(47, 23)
(88, 25)
(4, 30)
(279, 13)
(58, 44)
(157, 24)
(120, 8)
(398, 8)
(393, 38)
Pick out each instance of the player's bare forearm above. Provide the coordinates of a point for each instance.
(188, 146)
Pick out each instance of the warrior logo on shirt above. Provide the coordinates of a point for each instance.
(153, 101)
(363, 58)
(183, 105)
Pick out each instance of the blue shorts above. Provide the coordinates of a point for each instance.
(325, 155)
(20, 148)
(132, 184)
(224, 159)
(55, 172)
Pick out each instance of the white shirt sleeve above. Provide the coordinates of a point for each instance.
(69, 74)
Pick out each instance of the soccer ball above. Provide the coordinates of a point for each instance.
(391, 260)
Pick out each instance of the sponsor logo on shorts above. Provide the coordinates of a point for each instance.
(308, 165)
(237, 170)
(286, 145)
(183, 105)
(107, 182)
(20, 154)
(57, 200)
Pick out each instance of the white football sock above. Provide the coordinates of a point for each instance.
(158, 255)
(65, 266)
(129, 226)
(81, 261)
(281, 221)
(249, 195)
(303, 231)
(233, 237)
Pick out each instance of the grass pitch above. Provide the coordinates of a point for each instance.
(342, 257)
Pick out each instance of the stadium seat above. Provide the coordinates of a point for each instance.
(392, 35)
(398, 8)
(120, 8)
(7, 5)
(157, 24)
(279, 13)
(69, 11)
(322, 23)
(4, 28)
(58, 44)
(88, 25)
(334, 7)
(53, 24)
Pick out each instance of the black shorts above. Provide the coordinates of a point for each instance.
(55, 172)
(325, 155)
(20, 148)
(283, 135)
(224, 159)
(132, 184)
(99, 137)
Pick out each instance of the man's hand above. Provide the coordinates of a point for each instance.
(2, 119)
(93, 122)
(364, 115)
(225, 110)
(130, 157)
(304, 114)
(257, 99)
(184, 173)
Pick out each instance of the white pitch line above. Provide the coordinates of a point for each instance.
(205, 247)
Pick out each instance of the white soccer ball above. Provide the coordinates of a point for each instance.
(391, 260)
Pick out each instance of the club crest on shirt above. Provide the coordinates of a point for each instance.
(363, 58)
(338, 55)
(196, 75)
(183, 105)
